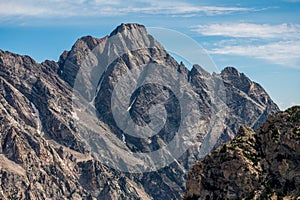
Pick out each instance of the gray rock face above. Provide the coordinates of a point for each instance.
(255, 165)
(47, 153)
(42, 154)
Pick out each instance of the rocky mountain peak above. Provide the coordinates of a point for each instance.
(37, 108)
(239, 80)
(123, 41)
(124, 28)
(231, 74)
(90, 41)
(230, 71)
(198, 70)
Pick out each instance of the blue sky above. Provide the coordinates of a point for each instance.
(259, 38)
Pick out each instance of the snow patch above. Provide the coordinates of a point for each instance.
(74, 115)
(36, 114)
(131, 104)
(123, 139)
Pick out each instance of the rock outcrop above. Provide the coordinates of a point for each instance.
(255, 165)
(46, 153)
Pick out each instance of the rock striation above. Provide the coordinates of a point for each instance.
(254, 165)
(47, 154)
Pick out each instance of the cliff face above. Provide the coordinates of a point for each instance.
(255, 165)
(49, 149)
(42, 153)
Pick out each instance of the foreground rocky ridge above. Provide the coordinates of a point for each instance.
(255, 165)
(43, 151)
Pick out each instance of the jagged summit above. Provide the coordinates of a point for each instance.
(125, 38)
(91, 42)
(230, 70)
(127, 27)
(197, 69)
(231, 74)
(239, 80)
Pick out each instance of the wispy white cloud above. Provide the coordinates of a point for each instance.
(284, 53)
(248, 30)
(181, 10)
(69, 8)
(277, 44)
(292, 1)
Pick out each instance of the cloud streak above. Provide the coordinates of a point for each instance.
(277, 44)
(79, 8)
(284, 53)
(292, 1)
(248, 30)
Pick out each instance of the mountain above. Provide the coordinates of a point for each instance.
(113, 118)
(254, 165)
